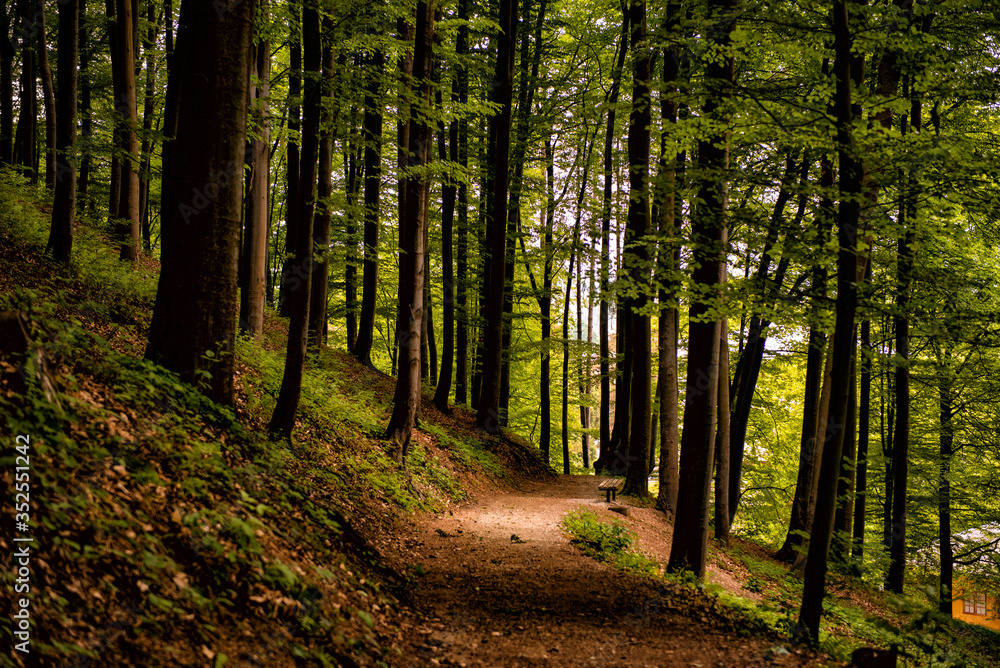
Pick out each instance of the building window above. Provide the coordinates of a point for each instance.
(975, 605)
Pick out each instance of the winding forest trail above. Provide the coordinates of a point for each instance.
(504, 587)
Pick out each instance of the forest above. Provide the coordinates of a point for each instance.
(737, 256)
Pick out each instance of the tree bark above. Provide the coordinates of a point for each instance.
(488, 410)
(749, 363)
(7, 54)
(462, 244)
(48, 95)
(352, 159)
(194, 319)
(901, 443)
(847, 223)
(64, 199)
(123, 61)
(864, 423)
(449, 192)
(373, 179)
(85, 202)
(292, 204)
(298, 292)
(638, 258)
(256, 224)
(148, 111)
(406, 401)
(27, 120)
(709, 241)
(667, 221)
(844, 515)
(564, 418)
(811, 442)
(946, 438)
(722, 449)
(324, 190)
(605, 457)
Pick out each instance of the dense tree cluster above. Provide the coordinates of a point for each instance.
(779, 212)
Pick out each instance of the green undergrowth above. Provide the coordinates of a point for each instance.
(168, 530)
(159, 521)
(343, 412)
(611, 542)
(923, 636)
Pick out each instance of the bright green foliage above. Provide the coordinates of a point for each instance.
(607, 541)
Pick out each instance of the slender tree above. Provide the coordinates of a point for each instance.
(843, 341)
(7, 54)
(722, 450)
(462, 242)
(406, 400)
(255, 228)
(324, 190)
(292, 159)
(605, 457)
(194, 318)
(708, 240)
(637, 258)
(298, 292)
(123, 65)
(668, 213)
(64, 200)
(372, 133)
(48, 94)
(27, 120)
(488, 410)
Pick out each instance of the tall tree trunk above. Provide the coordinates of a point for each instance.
(564, 420)
(373, 179)
(722, 449)
(123, 62)
(582, 384)
(749, 362)
(64, 199)
(946, 438)
(901, 443)
(605, 457)
(449, 191)
(427, 324)
(638, 258)
(48, 95)
(843, 344)
(864, 423)
(256, 223)
(292, 166)
(84, 201)
(811, 439)
(352, 166)
(668, 262)
(844, 515)
(298, 292)
(545, 302)
(488, 410)
(194, 318)
(708, 240)
(887, 438)
(7, 54)
(27, 120)
(462, 244)
(324, 191)
(148, 111)
(406, 401)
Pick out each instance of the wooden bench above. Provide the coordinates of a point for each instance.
(610, 487)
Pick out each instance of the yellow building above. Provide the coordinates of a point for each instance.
(976, 607)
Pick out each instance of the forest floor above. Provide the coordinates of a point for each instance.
(505, 587)
(169, 531)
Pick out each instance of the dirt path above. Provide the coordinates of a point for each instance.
(504, 587)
